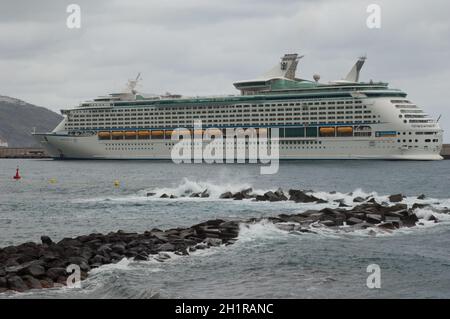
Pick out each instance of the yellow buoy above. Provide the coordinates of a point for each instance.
(116, 183)
(52, 180)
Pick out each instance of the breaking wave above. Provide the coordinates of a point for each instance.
(188, 187)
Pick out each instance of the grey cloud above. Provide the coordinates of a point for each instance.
(200, 47)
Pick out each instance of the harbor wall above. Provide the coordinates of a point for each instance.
(18, 152)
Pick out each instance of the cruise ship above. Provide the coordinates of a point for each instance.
(343, 119)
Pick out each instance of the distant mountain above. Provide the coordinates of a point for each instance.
(18, 118)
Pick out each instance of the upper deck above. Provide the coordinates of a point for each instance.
(279, 83)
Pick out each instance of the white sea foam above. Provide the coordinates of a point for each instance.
(123, 264)
(263, 229)
(188, 187)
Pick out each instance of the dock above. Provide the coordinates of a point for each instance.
(22, 152)
(445, 153)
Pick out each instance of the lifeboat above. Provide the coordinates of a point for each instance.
(345, 131)
(104, 135)
(117, 135)
(158, 134)
(327, 131)
(144, 134)
(130, 135)
(183, 132)
(198, 132)
(214, 131)
(168, 133)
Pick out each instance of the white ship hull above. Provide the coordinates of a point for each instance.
(90, 147)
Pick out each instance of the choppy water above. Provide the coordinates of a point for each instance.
(265, 261)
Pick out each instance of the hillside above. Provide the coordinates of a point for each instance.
(18, 118)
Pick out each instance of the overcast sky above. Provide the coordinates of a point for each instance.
(197, 47)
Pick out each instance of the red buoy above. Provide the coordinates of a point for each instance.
(17, 176)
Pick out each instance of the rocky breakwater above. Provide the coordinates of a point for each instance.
(44, 265)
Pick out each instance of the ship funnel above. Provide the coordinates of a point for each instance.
(353, 75)
(286, 68)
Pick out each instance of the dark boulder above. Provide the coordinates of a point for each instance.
(358, 199)
(55, 273)
(105, 249)
(226, 195)
(31, 282)
(149, 194)
(374, 218)
(118, 249)
(387, 225)
(353, 221)
(98, 259)
(204, 194)
(86, 253)
(300, 197)
(46, 282)
(421, 196)
(141, 256)
(396, 198)
(410, 220)
(69, 242)
(238, 196)
(46, 240)
(395, 220)
(328, 222)
(279, 192)
(9, 250)
(16, 283)
(3, 282)
(166, 247)
(35, 270)
(164, 196)
(260, 198)
(270, 196)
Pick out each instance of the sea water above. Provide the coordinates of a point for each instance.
(70, 198)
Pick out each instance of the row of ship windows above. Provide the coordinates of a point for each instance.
(174, 123)
(212, 120)
(171, 108)
(419, 133)
(218, 115)
(416, 141)
(151, 148)
(86, 127)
